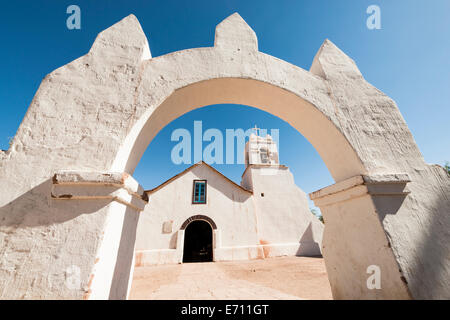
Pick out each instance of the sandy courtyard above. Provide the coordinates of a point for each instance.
(275, 278)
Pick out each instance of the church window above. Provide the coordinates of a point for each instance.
(199, 192)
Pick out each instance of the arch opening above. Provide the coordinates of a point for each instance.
(198, 242)
(311, 121)
(333, 147)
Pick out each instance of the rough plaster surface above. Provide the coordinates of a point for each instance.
(99, 112)
(351, 205)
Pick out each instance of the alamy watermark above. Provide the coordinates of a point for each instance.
(374, 280)
(73, 277)
(218, 150)
(74, 20)
(374, 20)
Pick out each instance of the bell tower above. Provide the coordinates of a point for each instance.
(285, 224)
(261, 150)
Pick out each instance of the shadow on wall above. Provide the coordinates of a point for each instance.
(173, 237)
(29, 222)
(390, 204)
(173, 240)
(428, 222)
(431, 269)
(31, 239)
(307, 240)
(36, 208)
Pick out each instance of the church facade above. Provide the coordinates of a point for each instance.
(201, 215)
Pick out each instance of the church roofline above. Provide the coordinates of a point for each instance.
(190, 168)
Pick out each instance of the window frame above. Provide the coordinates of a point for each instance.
(205, 182)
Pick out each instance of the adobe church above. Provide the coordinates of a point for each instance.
(68, 199)
(201, 215)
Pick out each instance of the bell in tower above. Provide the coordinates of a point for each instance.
(261, 150)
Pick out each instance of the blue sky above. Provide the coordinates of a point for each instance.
(408, 59)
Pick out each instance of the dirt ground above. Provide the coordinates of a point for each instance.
(288, 278)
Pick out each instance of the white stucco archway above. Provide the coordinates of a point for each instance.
(92, 119)
(332, 146)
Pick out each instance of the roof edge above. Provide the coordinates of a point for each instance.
(189, 169)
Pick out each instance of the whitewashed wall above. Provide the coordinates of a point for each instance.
(230, 207)
(285, 222)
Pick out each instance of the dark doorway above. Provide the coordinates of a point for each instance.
(198, 242)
